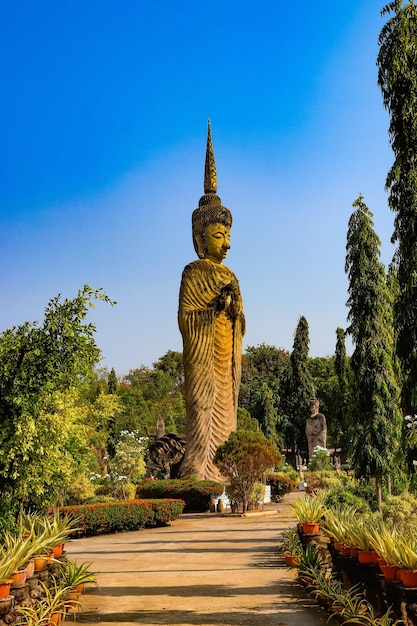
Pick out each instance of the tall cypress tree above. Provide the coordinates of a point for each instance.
(112, 382)
(397, 78)
(376, 414)
(298, 388)
(342, 368)
(269, 413)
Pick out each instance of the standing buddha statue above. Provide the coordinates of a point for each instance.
(212, 325)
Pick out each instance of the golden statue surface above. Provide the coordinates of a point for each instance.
(212, 325)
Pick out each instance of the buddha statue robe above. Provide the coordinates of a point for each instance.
(212, 333)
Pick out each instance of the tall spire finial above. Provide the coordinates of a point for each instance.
(210, 177)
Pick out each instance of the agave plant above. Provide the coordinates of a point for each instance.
(407, 553)
(291, 542)
(359, 534)
(309, 563)
(59, 527)
(326, 589)
(337, 521)
(385, 542)
(16, 553)
(75, 575)
(351, 606)
(310, 509)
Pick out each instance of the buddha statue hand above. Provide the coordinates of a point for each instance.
(226, 297)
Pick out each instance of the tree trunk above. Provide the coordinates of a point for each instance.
(378, 484)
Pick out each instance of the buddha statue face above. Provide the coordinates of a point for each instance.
(314, 406)
(216, 241)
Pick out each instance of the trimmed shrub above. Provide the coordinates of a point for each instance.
(196, 494)
(281, 483)
(257, 496)
(111, 517)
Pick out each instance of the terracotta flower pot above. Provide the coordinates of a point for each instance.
(345, 550)
(338, 546)
(389, 571)
(310, 529)
(5, 589)
(409, 578)
(72, 603)
(353, 552)
(58, 550)
(56, 618)
(18, 577)
(30, 568)
(40, 562)
(290, 560)
(367, 556)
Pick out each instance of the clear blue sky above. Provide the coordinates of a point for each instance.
(103, 120)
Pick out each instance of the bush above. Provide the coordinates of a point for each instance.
(367, 491)
(345, 496)
(195, 493)
(113, 517)
(242, 460)
(80, 490)
(323, 479)
(9, 510)
(257, 496)
(400, 509)
(320, 460)
(281, 483)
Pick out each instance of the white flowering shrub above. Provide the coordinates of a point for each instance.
(320, 460)
(127, 467)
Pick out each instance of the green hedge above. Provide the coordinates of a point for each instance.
(111, 517)
(280, 484)
(195, 493)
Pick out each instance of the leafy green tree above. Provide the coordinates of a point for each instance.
(298, 388)
(172, 364)
(242, 460)
(397, 78)
(261, 364)
(39, 366)
(376, 415)
(147, 395)
(245, 421)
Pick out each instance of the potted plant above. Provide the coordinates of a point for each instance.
(57, 529)
(336, 523)
(48, 610)
(76, 576)
(309, 511)
(20, 552)
(291, 547)
(309, 564)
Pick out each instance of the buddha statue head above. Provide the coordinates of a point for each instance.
(211, 222)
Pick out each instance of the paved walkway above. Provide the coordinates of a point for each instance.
(203, 569)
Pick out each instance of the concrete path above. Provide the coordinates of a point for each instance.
(203, 569)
